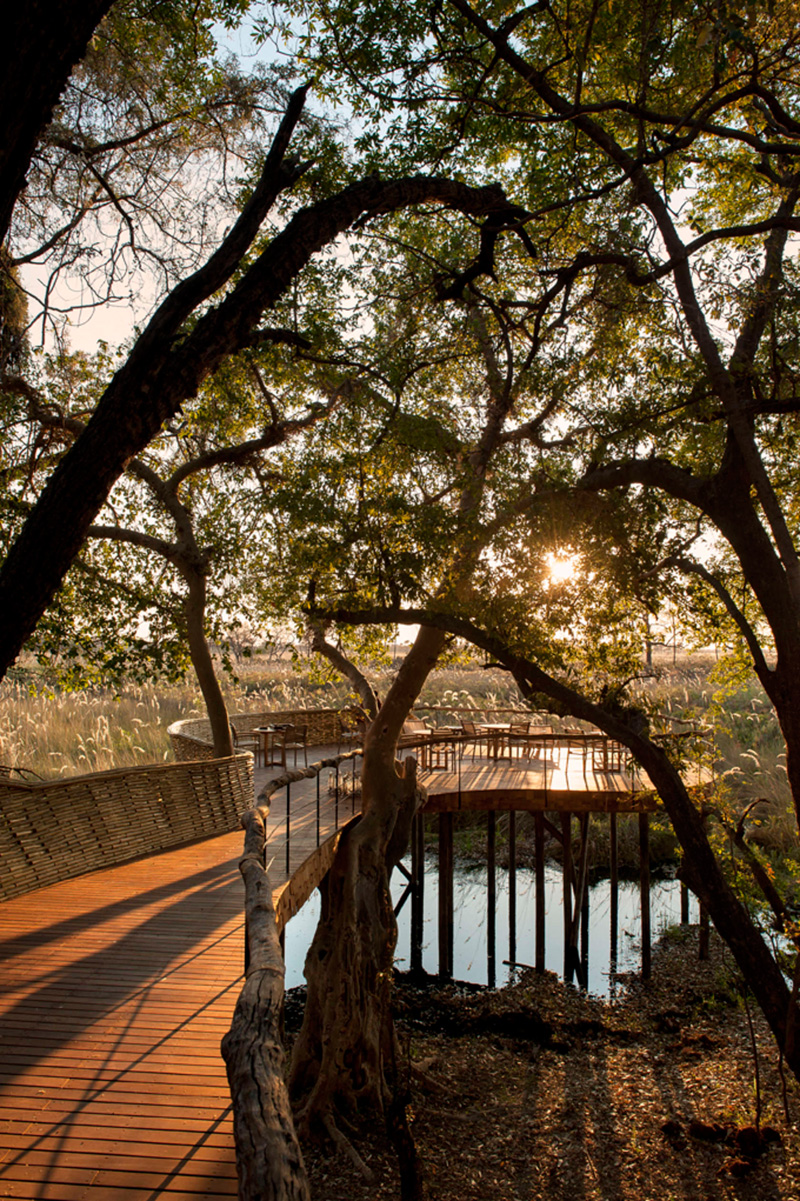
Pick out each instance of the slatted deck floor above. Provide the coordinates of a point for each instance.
(116, 990)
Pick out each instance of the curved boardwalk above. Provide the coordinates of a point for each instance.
(116, 990)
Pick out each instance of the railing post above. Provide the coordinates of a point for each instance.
(491, 898)
(288, 825)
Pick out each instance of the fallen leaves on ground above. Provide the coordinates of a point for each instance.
(536, 1092)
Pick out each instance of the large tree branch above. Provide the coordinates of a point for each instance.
(655, 472)
(274, 435)
(42, 42)
(691, 567)
(161, 371)
(346, 667)
(116, 533)
(278, 174)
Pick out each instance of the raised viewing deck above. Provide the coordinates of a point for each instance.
(118, 986)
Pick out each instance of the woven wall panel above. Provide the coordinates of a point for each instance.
(63, 828)
(191, 737)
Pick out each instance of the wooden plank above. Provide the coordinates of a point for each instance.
(111, 1082)
(549, 783)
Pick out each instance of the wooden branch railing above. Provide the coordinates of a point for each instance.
(269, 1160)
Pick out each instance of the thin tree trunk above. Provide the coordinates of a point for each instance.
(344, 1059)
(194, 612)
(348, 669)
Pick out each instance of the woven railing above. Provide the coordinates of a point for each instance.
(191, 738)
(62, 828)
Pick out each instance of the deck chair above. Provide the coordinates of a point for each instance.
(246, 742)
(474, 736)
(351, 732)
(538, 748)
(295, 738)
(609, 755)
(518, 736)
(575, 744)
(415, 733)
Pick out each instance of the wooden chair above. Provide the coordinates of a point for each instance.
(351, 732)
(295, 738)
(475, 736)
(518, 736)
(577, 743)
(608, 755)
(441, 751)
(415, 733)
(246, 742)
(537, 748)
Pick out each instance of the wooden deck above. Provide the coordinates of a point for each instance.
(559, 784)
(116, 990)
(119, 985)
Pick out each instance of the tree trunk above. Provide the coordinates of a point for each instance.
(269, 1159)
(194, 609)
(344, 1059)
(43, 40)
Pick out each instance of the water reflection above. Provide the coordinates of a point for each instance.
(470, 927)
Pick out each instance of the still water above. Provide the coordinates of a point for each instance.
(469, 934)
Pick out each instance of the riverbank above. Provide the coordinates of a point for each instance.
(536, 1092)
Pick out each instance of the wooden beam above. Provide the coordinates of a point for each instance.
(613, 884)
(418, 894)
(512, 886)
(491, 899)
(566, 875)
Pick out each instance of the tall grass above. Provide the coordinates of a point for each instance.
(739, 743)
(64, 734)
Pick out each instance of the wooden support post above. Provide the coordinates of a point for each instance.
(613, 887)
(684, 905)
(446, 896)
(566, 875)
(491, 898)
(644, 879)
(512, 887)
(418, 891)
(585, 936)
(539, 852)
(580, 885)
(705, 932)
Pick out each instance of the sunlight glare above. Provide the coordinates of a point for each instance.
(560, 567)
